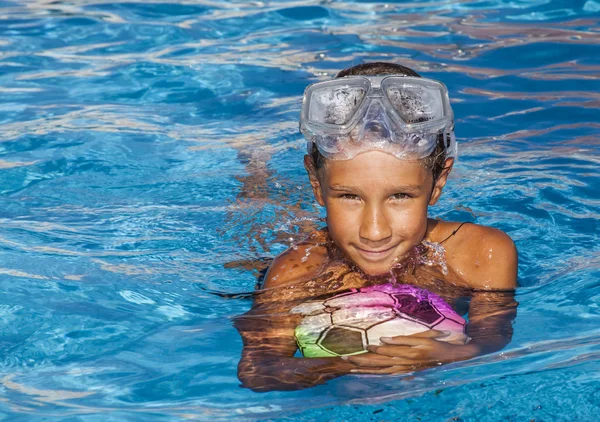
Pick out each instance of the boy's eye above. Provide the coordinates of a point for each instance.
(401, 196)
(350, 197)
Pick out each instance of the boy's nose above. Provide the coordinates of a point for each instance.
(375, 228)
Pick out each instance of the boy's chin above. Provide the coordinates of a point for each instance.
(376, 271)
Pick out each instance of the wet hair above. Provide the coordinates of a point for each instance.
(435, 160)
(378, 69)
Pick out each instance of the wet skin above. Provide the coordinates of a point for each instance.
(376, 213)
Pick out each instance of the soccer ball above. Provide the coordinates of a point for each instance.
(347, 323)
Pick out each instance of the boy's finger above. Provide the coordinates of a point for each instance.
(431, 334)
(406, 341)
(398, 351)
(416, 339)
(371, 360)
(384, 362)
(460, 340)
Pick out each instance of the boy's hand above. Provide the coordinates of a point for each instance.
(402, 354)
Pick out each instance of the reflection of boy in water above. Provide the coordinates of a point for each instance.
(376, 193)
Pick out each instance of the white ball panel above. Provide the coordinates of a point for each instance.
(362, 317)
(395, 327)
(374, 298)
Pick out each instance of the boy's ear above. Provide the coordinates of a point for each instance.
(314, 179)
(441, 181)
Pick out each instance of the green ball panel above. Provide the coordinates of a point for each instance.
(314, 351)
(311, 327)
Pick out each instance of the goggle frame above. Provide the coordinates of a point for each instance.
(375, 87)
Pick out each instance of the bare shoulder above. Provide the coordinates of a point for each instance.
(483, 257)
(301, 261)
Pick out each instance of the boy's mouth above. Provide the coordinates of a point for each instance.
(375, 254)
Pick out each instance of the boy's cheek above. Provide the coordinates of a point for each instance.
(341, 221)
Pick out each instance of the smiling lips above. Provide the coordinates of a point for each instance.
(375, 255)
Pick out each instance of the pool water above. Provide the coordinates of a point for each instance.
(150, 164)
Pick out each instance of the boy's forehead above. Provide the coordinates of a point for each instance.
(376, 166)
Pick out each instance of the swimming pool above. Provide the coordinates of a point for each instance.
(150, 156)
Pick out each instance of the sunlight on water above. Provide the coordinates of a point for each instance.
(150, 167)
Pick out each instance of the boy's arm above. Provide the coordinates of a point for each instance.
(491, 315)
(493, 276)
(267, 362)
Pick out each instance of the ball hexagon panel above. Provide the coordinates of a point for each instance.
(343, 340)
(423, 310)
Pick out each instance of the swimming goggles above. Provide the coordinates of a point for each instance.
(401, 115)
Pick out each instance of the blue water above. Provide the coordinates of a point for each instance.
(149, 156)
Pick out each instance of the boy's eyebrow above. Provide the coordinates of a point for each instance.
(394, 189)
(341, 188)
(407, 188)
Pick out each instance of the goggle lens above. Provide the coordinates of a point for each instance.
(416, 104)
(335, 106)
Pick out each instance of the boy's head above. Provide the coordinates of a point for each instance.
(378, 178)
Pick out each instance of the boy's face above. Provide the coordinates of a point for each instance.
(376, 206)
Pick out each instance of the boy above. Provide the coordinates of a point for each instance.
(381, 147)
